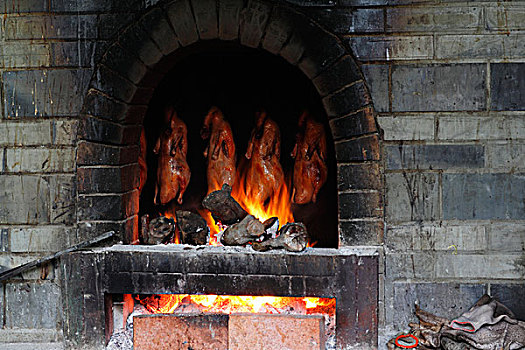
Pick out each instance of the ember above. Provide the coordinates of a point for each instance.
(186, 305)
(228, 304)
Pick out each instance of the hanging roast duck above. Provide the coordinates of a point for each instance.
(264, 174)
(173, 172)
(310, 170)
(220, 151)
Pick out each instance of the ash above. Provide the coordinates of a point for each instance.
(123, 338)
(329, 327)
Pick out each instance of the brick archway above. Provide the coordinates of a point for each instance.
(126, 76)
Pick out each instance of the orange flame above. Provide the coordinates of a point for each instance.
(279, 205)
(228, 304)
(170, 215)
(215, 228)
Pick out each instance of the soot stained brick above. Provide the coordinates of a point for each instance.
(359, 176)
(512, 296)
(35, 93)
(25, 199)
(361, 123)
(376, 77)
(360, 205)
(361, 149)
(412, 197)
(347, 101)
(341, 73)
(360, 233)
(452, 87)
(435, 156)
(444, 299)
(508, 86)
(483, 196)
(22, 299)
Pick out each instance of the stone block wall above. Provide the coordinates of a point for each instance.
(447, 80)
(47, 52)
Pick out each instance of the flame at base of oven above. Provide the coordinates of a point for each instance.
(228, 304)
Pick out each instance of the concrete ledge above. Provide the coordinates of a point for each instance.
(32, 346)
(26, 339)
(200, 250)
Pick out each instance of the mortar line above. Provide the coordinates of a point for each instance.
(487, 236)
(390, 97)
(440, 196)
(4, 160)
(192, 11)
(488, 91)
(436, 128)
(4, 304)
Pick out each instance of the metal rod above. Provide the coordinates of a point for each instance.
(17, 270)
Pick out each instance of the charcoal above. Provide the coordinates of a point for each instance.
(248, 230)
(293, 237)
(160, 230)
(223, 207)
(193, 228)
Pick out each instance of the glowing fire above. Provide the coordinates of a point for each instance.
(214, 227)
(279, 205)
(171, 215)
(227, 304)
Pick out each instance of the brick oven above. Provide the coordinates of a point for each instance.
(316, 70)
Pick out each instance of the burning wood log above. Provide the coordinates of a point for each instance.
(144, 225)
(293, 237)
(271, 227)
(192, 227)
(248, 230)
(223, 207)
(160, 230)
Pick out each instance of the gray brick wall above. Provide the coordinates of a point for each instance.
(447, 79)
(22, 299)
(48, 50)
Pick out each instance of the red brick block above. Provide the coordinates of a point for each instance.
(176, 332)
(269, 332)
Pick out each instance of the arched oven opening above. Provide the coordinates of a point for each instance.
(241, 82)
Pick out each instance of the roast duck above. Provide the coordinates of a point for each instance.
(220, 151)
(143, 167)
(264, 173)
(173, 172)
(310, 170)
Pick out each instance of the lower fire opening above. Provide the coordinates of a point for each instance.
(232, 321)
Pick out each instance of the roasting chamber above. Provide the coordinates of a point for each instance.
(240, 82)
